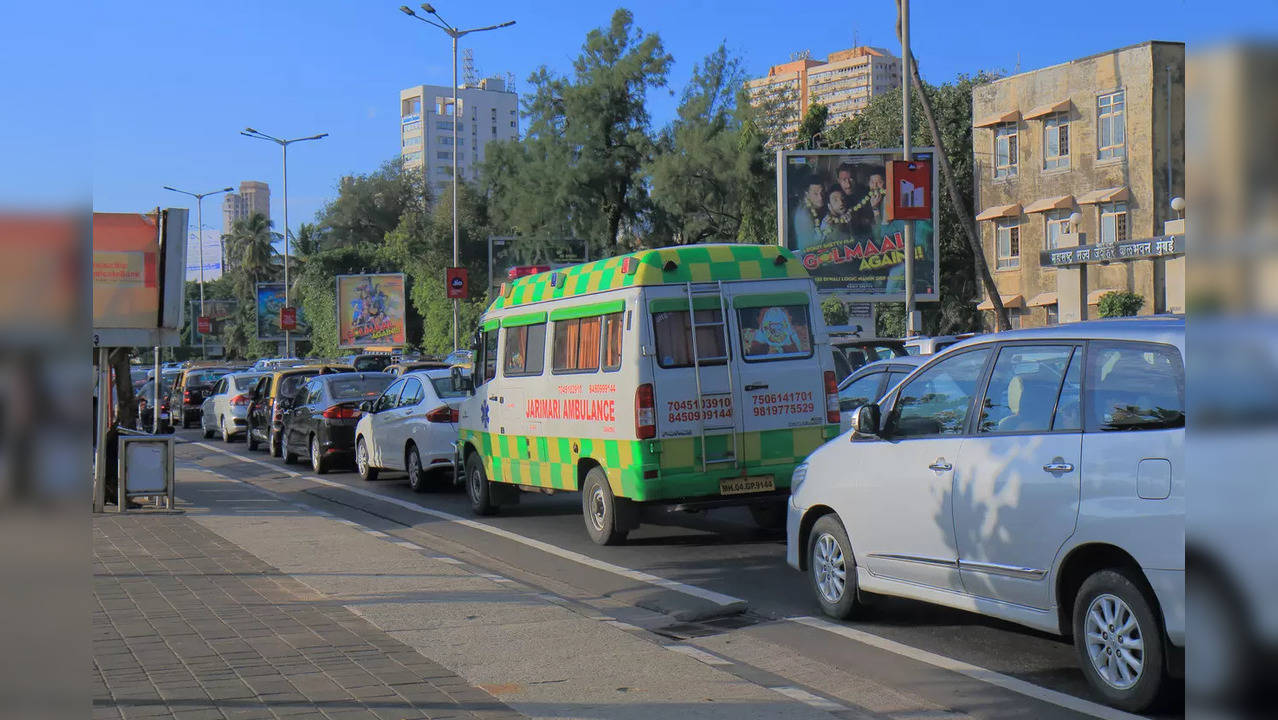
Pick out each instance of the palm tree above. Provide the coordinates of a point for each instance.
(250, 246)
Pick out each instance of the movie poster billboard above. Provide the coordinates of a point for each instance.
(832, 206)
(370, 310)
(217, 310)
(270, 298)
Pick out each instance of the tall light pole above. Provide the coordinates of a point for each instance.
(199, 235)
(250, 132)
(455, 34)
(907, 154)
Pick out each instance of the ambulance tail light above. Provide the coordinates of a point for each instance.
(831, 397)
(442, 414)
(645, 413)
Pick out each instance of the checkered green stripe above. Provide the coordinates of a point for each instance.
(695, 263)
(551, 462)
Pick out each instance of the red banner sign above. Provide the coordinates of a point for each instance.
(910, 187)
(458, 283)
(204, 325)
(288, 318)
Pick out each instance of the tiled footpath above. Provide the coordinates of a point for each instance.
(188, 625)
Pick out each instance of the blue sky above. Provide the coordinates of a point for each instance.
(168, 85)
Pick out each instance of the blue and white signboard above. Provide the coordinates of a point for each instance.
(212, 242)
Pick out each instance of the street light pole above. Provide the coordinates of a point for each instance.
(907, 154)
(250, 132)
(199, 238)
(455, 34)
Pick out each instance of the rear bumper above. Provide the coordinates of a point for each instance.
(337, 439)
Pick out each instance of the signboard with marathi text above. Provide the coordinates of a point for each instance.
(1110, 252)
(833, 212)
(371, 310)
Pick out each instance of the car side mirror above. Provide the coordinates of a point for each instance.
(366, 406)
(462, 382)
(865, 421)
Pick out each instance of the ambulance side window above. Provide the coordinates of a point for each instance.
(674, 338)
(490, 354)
(613, 332)
(525, 350)
(777, 332)
(577, 345)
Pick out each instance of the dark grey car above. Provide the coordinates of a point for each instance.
(322, 419)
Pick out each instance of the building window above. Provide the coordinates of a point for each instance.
(512, 123)
(413, 157)
(410, 106)
(411, 140)
(1113, 222)
(1056, 142)
(445, 139)
(1008, 237)
(444, 155)
(445, 126)
(1111, 128)
(1053, 314)
(494, 131)
(1057, 224)
(1005, 150)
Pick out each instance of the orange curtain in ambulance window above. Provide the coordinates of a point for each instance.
(674, 338)
(612, 341)
(577, 344)
(775, 333)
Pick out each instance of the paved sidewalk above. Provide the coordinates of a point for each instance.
(188, 625)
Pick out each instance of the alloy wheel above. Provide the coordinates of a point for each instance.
(1114, 641)
(831, 570)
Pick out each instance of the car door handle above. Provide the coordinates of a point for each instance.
(757, 386)
(1058, 466)
(940, 466)
(492, 397)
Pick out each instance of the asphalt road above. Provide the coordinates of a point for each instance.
(720, 550)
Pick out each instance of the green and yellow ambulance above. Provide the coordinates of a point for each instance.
(689, 378)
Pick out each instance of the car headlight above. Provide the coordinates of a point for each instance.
(800, 474)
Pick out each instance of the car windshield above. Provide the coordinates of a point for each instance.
(245, 382)
(357, 388)
(290, 383)
(204, 377)
(373, 363)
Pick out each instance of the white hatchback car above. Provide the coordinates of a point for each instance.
(411, 427)
(226, 408)
(1035, 476)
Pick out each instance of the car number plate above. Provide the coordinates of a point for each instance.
(742, 485)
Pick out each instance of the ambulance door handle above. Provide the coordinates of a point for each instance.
(757, 386)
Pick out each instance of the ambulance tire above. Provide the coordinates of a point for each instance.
(478, 487)
(608, 518)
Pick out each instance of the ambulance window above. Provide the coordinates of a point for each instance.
(674, 338)
(612, 334)
(577, 343)
(490, 355)
(525, 350)
(778, 332)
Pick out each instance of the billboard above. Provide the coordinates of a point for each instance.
(370, 310)
(832, 212)
(270, 298)
(218, 311)
(211, 242)
(137, 278)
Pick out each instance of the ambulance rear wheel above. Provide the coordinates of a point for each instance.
(478, 487)
(602, 510)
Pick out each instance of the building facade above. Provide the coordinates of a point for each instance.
(1076, 166)
(486, 111)
(253, 197)
(844, 82)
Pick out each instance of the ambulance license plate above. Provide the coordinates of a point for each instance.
(743, 485)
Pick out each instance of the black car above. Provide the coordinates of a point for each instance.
(187, 398)
(321, 421)
(371, 362)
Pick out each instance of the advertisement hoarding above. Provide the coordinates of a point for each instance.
(457, 282)
(216, 310)
(270, 299)
(832, 212)
(370, 310)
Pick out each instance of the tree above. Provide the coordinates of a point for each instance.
(812, 125)
(578, 172)
(1119, 303)
(835, 312)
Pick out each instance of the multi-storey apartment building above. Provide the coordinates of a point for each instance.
(253, 197)
(1076, 165)
(844, 82)
(486, 111)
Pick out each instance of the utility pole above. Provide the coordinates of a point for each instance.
(199, 238)
(907, 154)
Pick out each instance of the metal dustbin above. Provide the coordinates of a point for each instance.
(146, 468)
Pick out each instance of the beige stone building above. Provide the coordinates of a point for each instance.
(844, 82)
(487, 111)
(1076, 165)
(254, 197)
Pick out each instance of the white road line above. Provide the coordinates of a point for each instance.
(407, 544)
(446, 559)
(376, 533)
(808, 698)
(975, 672)
(636, 575)
(699, 654)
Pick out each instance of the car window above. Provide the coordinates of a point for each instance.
(390, 397)
(577, 344)
(674, 338)
(778, 332)
(413, 393)
(525, 350)
(373, 363)
(860, 391)
(1023, 388)
(937, 400)
(841, 367)
(357, 388)
(1134, 386)
(444, 388)
(894, 377)
(289, 384)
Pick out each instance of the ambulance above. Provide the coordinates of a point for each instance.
(683, 379)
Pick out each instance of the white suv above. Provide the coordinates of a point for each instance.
(1035, 476)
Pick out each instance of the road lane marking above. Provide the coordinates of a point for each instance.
(637, 575)
(623, 626)
(807, 698)
(1007, 682)
(407, 544)
(699, 654)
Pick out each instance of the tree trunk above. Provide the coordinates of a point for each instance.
(127, 408)
(969, 228)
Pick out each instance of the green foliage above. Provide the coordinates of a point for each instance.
(879, 125)
(1119, 303)
(812, 125)
(835, 312)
